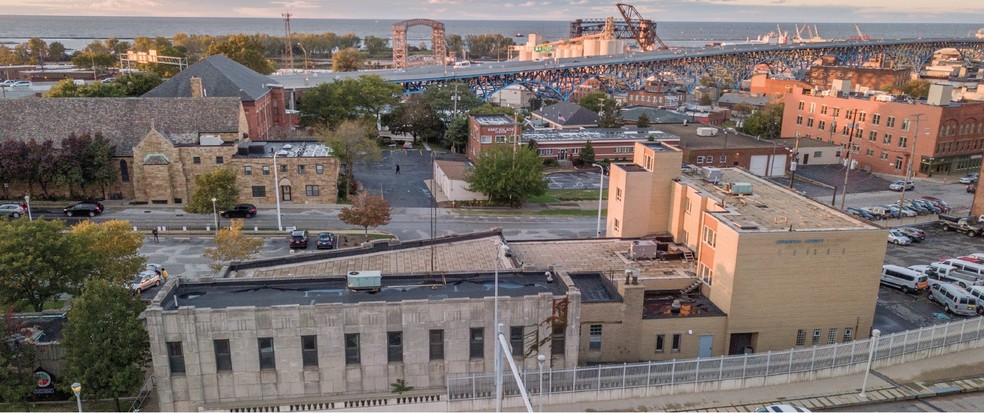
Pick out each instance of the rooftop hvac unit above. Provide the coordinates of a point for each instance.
(364, 280)
(741, 188)
(644, 249)
(707, 131)
(711, 174)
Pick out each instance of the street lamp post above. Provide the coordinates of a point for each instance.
(77, 389)
(871, 355)
(276, 183)
(540, 359)
(215, 213)
(908, 171)
(601, 185)
(27, 199)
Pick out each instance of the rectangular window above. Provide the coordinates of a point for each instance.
(486, 139)
(705, 274)
(801, 104)
(890, 122)
(516, 340)
(500, 139)
(267, 356)
(832, 336)
(196, 160)
(845, 131)
(875, 119)
(309, 351)
(219, 160)
(822, 125)
(266, 169)
(319, 169)
(887, 139)
(175, 357)
(710, 237)
(312, 190)
(394, 346)
(223, 355)
(676, 343)
(352, 349)
(902, 141)
(862, 116)
(869, 152)
(809, 123)
(557, 341)
(724, 158)
(660, 342)
(817, 154)
(800, 338)
(437, 344)
(283, 169)
(300, 169)
(594, 337)
(848, 334)
(799, 120)
(848, 114)
(905, 124)
(823, 109)
(813, 107)
(248, 170)
(700, 159)
(883, 156)
(618, 194)
(476, 343)
(816, 337)
(836, 112)
(615, 224)
(872, 136)
(259, 191)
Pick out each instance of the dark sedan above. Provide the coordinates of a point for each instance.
(299, 239)
(326, 240)
(240, 211)
(84, 209)
(915, 234)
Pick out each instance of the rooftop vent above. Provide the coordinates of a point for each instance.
(741, 188)
(747, 225)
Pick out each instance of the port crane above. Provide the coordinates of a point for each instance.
(633, 26)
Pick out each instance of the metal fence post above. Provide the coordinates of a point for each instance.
(905, 342)
(813, 359)
(599, 379)
(932, 339)
(649, 373)
(744, 367)
(853, 345)
(673, 373)
(919, 338)
(962, 326)
(891, 346)
(721, 370)
(474, 388)
(768, 363)
(833, 361)
(979, 321)
(624, 369)
(946, 329)
(574, 381)
(696, 374)
(789, 370)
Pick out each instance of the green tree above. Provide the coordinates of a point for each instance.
(367, 211)
(416, 118)
(362, 98)
(347, 60)
(372, 96)
(107, 348)
(456, 45)
(611, 114)
(219, 184)
(349, 143)
(66, 88)
(507, 174)
(443, 98)
(642, 121)
(56, 52)
(137, 83)
(86, 160)
(112, 250)
(493, 46)
(593, 101)
(232, 245)
(38, 50)
(38, 262)
(456, 137)
(743, 108)
(245, 49)
(374, 45)
(587, 155)
(766, 123)
(705, 100)
(918, 88)
(17, 363)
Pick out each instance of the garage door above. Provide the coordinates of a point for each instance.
(778, 165)
(758, 164)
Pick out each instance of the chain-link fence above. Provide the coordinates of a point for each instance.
(721, 368)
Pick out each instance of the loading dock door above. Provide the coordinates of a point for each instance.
(758, 164)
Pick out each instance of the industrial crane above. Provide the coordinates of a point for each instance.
(644, 31)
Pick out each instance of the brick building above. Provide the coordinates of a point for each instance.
(950, 139)
(762, 84)
(263, 99)
(162, 143)
(484, 131)
(822, 77)
(726, 148)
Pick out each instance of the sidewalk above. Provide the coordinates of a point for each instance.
(950, 373)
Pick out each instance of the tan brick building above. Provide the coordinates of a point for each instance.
(753, 243)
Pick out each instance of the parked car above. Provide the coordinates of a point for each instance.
(7, 82)
(918, 208)
(939, 203)
(915, 234)
(326, 240)
(21, 83)
(12, 210)
(299, 239)
(953, 299)
(240, 211)
(933, 209)
(89, 208)
(970, 179)
(145, 280)
(971, 226)
(897, 238)
(899, 185)
(971, 188)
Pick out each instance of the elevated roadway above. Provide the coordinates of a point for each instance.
(728, 65)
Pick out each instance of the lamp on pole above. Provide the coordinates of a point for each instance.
(540, 359)
(871, 355)
(215, 213)
(276, 183)
(27, 200)
(601, 185)
(498, 330)
(77, 389)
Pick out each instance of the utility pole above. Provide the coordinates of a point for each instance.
(850, 147)
(908, 171)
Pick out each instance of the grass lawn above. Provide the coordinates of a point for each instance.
(572, 212)
(557, 195)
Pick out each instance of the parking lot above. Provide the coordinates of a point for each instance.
(897, 311)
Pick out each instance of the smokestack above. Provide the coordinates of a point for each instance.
(197, 89)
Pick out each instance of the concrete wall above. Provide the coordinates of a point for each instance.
(644, 207)
(454, 189)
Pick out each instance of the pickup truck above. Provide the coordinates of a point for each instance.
(972, 226)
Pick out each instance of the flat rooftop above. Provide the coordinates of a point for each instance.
(724, 138)
(290, 149)
(659, 304)
(265, 293)
(598, 135)
(769, 207)
(607, 255)
(493, 120)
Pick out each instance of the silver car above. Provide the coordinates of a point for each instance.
(145, 281)
(12, 210)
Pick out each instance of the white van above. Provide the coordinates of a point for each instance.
(463, 63)
(978, 293)
(905, 279)
(953, 299)
(966, 266)
(939, 272)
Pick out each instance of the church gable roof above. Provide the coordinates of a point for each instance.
(221, 77)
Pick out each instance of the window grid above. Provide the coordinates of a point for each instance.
(594, 337)
(394, 346)
(309, 351)
(175, 357)
(223, 355)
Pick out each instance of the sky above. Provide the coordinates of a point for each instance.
(804, 11)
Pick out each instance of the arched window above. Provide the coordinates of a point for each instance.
(124, 171)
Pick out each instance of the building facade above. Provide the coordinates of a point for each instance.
(822, 77)
(883, 134)
(485, 131)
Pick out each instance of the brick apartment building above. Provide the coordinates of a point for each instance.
(822, 77)
(950, 135)
(762, 84)
(484, 131)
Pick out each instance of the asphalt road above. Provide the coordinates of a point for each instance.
(965, 402)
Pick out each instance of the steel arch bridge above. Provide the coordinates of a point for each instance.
(559, 81)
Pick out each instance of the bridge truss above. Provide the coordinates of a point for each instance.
(727, 68)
